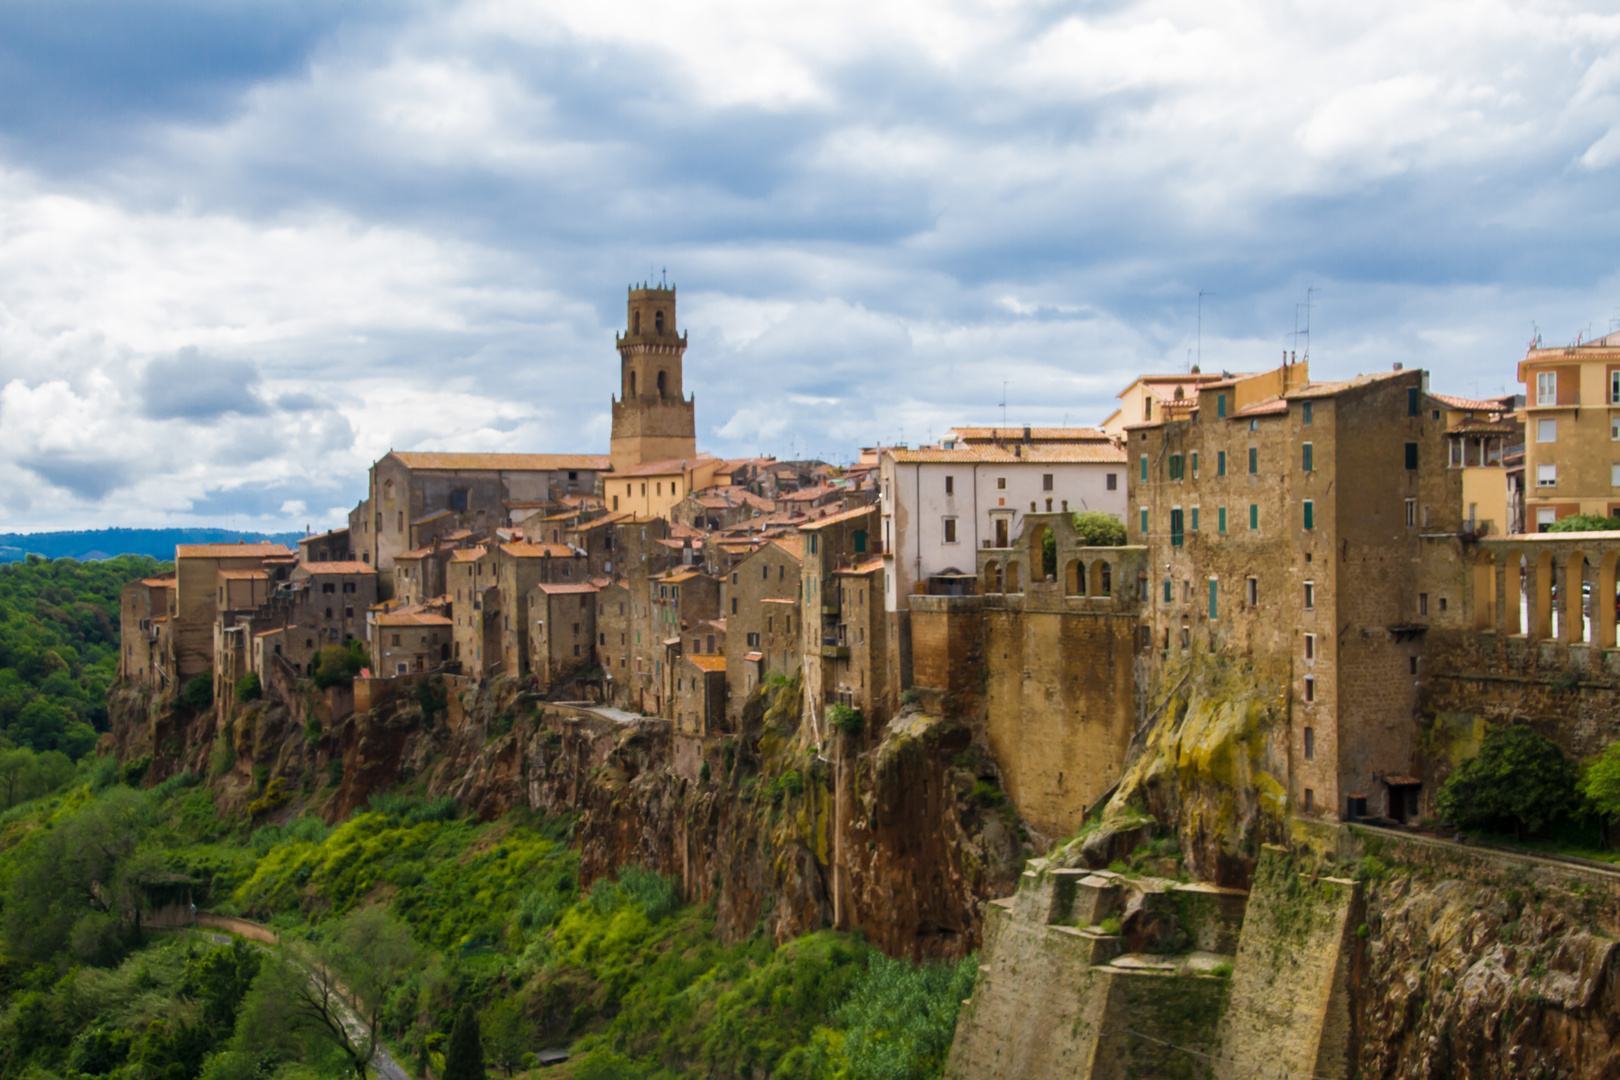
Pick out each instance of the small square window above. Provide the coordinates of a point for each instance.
(1001, 481)
(1046, 481)
(1546, 476)
(1546, 430)
(1113, 481)
(950, 485)
(950, 530)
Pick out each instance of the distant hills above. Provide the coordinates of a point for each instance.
(91, 544)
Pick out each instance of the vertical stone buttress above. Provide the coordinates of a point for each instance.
(652, 419)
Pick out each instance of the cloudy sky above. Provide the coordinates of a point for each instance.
(246, 248)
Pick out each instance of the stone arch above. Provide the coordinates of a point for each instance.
(635, 322)
(661, 384)
(1511, 593)
(658, 320)
(1541, 608)
(1603, 602)
(992, 577)
(1074, 578)
(632, 384)
(1485, 591)
(1013, 580)
(1574, 625)
(1102, 578)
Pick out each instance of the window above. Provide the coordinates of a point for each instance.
(1195, 464)
(1251, 592)
(1214, 599)
(1220, 520)
(734, 605)
(328, 587)
(1310, 688)
(1411, 401)
(1046, 481)
(1175, 466)
(860, 542)
(1144, 468)
(1144, 524)
(1254, 515)
(815, 545)
(1411, 513)
(1423, 603)
(1310, 646)
(1614, 387)
(1220, 406)
(1254, 425)
(950, 530)
(753, 641)
(1411, 664)
(458, 499)
(1220, 463)
(396, 639)
(1546, 431)
(1306, 457)
(1310, 514)
(1545, 517)
(1310, 596)
(950, 485)
(1411, 455)
(1546, 476)
(1113, 478)
(1001, 482)
(348, 586)
(1254, 460)
(1310, 800)
(1614, 428)
(1546, 388)
(1614, 475)
(1175, 527)
(1192, 524)
(1305, 413)
(1310, 744)
(1167, 590)
(1442, 604)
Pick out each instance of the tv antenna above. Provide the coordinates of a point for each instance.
(1003, 402)
(663, 277)
(1201, 294)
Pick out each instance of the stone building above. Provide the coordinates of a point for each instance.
(562, 631)
(760, 603)
(939, 507)
(699, 696)
(1572, 431)
(675, 601)
(474, 610)
(657, 487)
(333, 546)
(408, 642)
(416, 490)
(336, 597)
(145, 608)
(518, 568)
(652, 419)
(838, 653)
(614, 626)
(1316, 532)
(1151, 398)
(200, 596)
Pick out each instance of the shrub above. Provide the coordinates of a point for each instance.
(654, 893)
(1600, 784)
(248, 687)
(845, 719)
(1520, 781)
(910, 696)
(703, 773)
(1099, 529)
(337, 665)
(1585, 523)
(199, 692)
(1111, 926)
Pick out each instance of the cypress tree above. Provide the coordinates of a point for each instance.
(464, 1056)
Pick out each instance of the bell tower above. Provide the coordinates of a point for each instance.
(652, 419)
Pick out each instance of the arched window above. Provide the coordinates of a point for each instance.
(632, 384)
(658, 322)
(660, 384)
(635, 323)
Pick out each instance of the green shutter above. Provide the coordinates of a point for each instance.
(1214, 604)
(1144, 523)
(1144, 468)
(1310, 521)
(1254, 515)
(1195, 519)
(1307, 456)
(1220, 405)
(1305, 412)
(1220, 522)
(1220, 463)
(1254, 460)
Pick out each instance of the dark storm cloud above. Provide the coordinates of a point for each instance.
(88, 478)
(194, 386)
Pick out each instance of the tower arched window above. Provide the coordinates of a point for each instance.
(658, 322)
(660, 384)
(632, 384)
(635, 322)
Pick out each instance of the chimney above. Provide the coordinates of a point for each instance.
(1026, 434)
(1397, 365)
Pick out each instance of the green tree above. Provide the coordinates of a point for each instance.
(1585, 523)
(199, 692)
(248, 687)
(1098, 529)
(337, 665)
(507, 1033)
(1519, 782)
(464, 1055)
(1049, 554)
(1600, 784)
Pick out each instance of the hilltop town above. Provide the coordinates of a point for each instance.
(1345, 537)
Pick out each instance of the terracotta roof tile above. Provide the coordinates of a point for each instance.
(709, 662)
(566, 589)
(834, 519)
(528, 549)
(412, 618)
(1105, 453)
(229, 551)
(345, 567)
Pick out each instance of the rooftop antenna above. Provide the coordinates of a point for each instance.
(1309, 291)
(1201, 294)
(1003, 402)
(663, 277)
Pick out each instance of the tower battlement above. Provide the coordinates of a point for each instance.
(653, 419)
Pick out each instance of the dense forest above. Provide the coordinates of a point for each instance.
(58, 656)
(418, 915)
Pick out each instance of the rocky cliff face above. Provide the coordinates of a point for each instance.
(901, 832)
